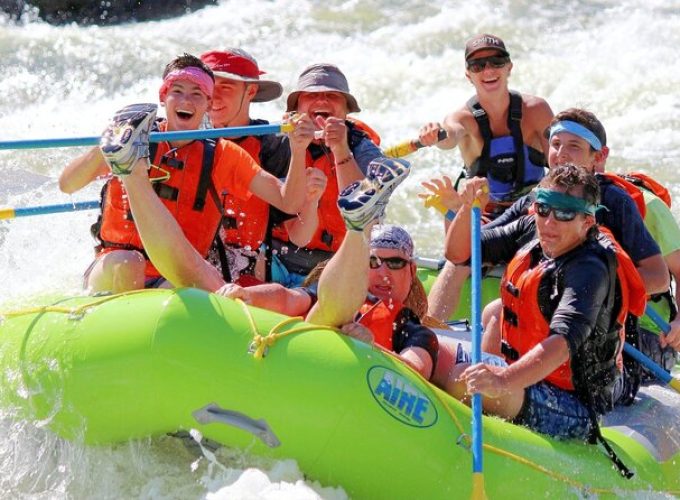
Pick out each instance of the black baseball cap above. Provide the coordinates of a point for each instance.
(482, 42)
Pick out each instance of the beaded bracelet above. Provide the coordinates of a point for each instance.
(344, 160)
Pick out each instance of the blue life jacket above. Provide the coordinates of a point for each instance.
(510, 166)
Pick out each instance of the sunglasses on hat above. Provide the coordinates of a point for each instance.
(478, 65)
(393, 263)
(560, 214)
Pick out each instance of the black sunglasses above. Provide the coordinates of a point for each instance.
(478, 65)
(393, 263)
(561, 214)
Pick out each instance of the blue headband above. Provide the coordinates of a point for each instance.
(578, 130)
(564, 201)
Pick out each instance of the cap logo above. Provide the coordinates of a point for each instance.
(486, 40)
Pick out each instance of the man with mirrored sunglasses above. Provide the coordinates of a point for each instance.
(561, 214)
(565, 294)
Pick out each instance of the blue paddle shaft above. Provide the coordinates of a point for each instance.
(658, 372)
(657, 319)
(12, 213)
(183, 135)
(476, 317)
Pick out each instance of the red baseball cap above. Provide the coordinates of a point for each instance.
(237, 64)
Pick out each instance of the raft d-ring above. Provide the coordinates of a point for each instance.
(464, 441)
(255, 346)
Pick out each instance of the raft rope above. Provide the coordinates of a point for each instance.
(76, 312)
(261, 343)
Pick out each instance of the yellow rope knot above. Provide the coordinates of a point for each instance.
(260, 345)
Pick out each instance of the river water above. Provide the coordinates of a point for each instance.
(404, 62)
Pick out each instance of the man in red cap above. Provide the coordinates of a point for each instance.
(246, 229)
(500, 134)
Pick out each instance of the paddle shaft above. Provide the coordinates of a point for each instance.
(657, 319)
(476, 317)
(183, 135)
(648, 363)
(12, 213)
(658, 372)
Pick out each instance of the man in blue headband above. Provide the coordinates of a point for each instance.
(561, 328)
(577, 136)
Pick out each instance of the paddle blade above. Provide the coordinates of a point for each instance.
(478, 492)
(6, 213)
(402, 149)
(675, 384)
(407, 147)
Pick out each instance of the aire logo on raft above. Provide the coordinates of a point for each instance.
(400, 398)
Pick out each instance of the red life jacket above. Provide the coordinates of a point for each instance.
(528, 327)
(379, 317)
(331, 230)
(185, 194)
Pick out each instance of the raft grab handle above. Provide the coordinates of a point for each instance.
(258, 428)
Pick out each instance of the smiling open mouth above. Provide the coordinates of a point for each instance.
(184, 115)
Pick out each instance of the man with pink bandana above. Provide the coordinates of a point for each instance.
(188, 176)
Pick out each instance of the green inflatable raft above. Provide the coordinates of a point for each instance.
(113, 368)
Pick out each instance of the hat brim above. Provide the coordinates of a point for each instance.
(268, 90)
(479, 49)
(292, 101)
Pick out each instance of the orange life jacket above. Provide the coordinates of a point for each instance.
(185, 194)
(245, 222)
(370, 132)
(635, 300)
(379, 317)
(331, 230)
(645, 181)
(523, 325)
(629, 188)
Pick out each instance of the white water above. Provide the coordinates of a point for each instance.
(404, 62)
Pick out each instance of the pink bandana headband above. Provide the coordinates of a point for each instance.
(192, 74)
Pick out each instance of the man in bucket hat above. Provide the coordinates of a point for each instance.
(245, 228)
(500, 134)
(342, 149)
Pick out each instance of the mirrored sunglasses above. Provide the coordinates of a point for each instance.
(478, 65)
(560, 214)
(393, 263)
